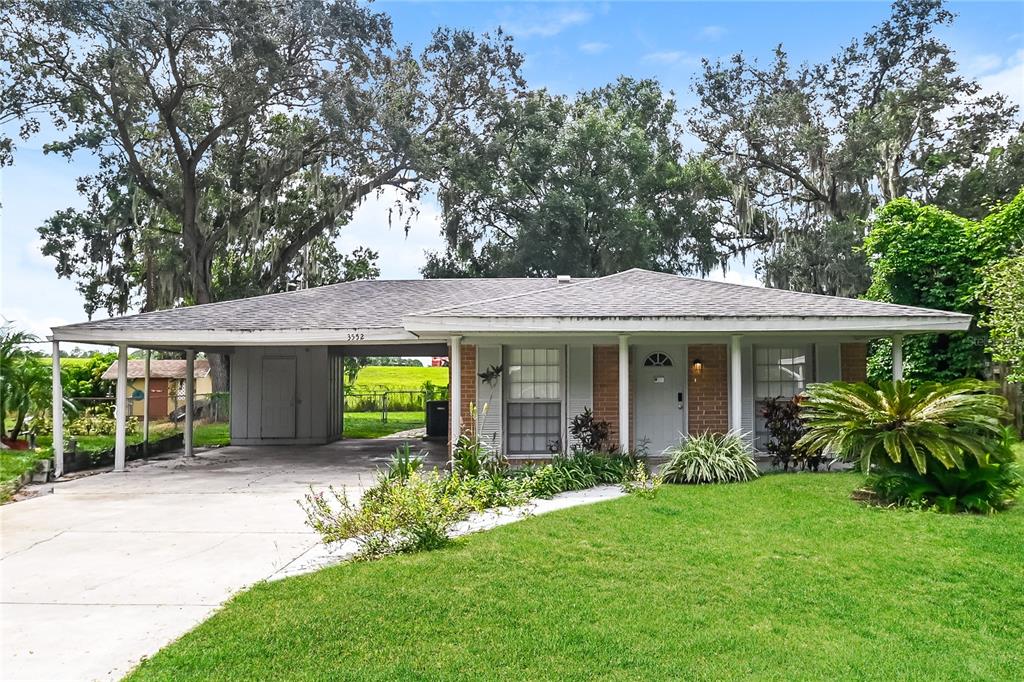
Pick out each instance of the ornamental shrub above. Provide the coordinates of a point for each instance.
(394, 516)
(710, 458)
(593, 435)
(785, 428)
(940, 446)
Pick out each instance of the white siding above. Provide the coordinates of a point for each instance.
(311, 394)
(492, 419)
(579, 384)
(335, 396)
(747, 394)
(826, 358)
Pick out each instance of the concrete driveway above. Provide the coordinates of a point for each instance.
(112, 567)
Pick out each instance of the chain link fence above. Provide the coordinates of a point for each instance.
(387, 401)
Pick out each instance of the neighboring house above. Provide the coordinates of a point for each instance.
(656, 355)
(166, 385)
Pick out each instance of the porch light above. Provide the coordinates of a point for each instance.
(696, 368)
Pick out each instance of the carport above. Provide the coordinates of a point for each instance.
(285, 351)
(281, 395)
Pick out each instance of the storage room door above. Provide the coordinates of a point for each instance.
(278, 403)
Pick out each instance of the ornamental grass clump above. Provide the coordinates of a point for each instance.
(710, 458)
(937, 446)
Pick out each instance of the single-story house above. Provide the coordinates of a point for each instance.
(166, 385)
(655, 355)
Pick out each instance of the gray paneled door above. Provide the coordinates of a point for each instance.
(660, 396)
(278, 398)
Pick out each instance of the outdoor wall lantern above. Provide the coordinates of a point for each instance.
(696, 368)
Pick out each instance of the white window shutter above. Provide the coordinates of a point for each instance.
(489, 401)
(579, 385)
(747, 392)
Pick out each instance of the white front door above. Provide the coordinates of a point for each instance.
(278, 398)
(660, 396)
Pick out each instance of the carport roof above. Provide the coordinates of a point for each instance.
(401, 310)
(362, 305)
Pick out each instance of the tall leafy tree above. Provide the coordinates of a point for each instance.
(925, 256)
(812, 149)
(585, 186)
(234, 133)
(975, 191)
(1002, 293)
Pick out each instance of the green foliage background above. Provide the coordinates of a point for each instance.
(926, 256)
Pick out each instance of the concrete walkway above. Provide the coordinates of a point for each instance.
(112, 567)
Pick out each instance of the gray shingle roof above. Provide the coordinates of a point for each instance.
(364, 304)
(384, 304)
(644, 294)
(158, 369)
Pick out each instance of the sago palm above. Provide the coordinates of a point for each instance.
(901, 423)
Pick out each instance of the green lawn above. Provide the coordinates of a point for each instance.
(13, 463)
(203, 435)
(207, 435)
(372, 379)
(782, 578)
(369, 425)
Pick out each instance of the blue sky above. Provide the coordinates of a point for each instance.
(568, 47)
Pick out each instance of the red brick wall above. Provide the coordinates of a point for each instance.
(606, 388)
(708, 393)
(853, 360)
(468, 385)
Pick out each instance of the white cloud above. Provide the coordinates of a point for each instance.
(981, 63)
(401, 255)
(712, 32)
(664, 57)
(593, 47)
(1009, 80)
(528, 23)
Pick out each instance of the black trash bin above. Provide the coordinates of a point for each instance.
(437, 419)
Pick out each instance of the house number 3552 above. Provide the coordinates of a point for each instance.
(356, 337)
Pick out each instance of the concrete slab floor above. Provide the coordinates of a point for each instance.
(112, 567)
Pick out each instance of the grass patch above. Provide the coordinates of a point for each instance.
(369, 425)
(209, 435)
(203, 435)
(14, 463)
(780, 578)
(371, 379)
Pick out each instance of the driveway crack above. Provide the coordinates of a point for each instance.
(34, 544)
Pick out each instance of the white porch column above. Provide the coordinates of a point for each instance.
(58, 415)
(624, 442)
(145, 400)
(735, 383)
(455, 390)
(121, 406)
(897, 357)
(190, 389)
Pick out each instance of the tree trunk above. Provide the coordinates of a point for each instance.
(19, 425)
(219, 372)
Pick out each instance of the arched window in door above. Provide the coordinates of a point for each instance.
(658, 360)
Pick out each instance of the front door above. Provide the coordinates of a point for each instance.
(157, 398)
(660, 396)
(278, 404)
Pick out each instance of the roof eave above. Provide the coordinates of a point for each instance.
(731, 325)
(229, 337)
